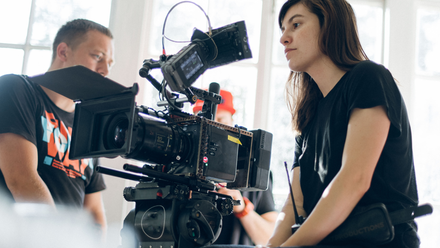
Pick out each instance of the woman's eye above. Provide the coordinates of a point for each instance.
(295, 25)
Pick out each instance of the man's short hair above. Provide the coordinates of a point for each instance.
(73, 33)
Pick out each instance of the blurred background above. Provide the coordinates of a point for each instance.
(401, 34)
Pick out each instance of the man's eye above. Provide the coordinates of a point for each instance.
(97, 56)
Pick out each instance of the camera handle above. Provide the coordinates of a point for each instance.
(144, 72)
(149, 64)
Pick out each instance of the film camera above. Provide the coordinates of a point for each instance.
(185, 155)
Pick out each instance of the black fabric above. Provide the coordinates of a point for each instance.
(317, 246)
(232, 231)
(319, 148)
(27, 111)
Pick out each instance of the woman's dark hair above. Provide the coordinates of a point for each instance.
(338, 40)
(73, 33)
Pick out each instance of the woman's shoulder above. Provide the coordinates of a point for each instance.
(368, 66)
(371, 72)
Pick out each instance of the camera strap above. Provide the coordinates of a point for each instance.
(408, 214)
(369, 224)
(396, 217)
(373, 224)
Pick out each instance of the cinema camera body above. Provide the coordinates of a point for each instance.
(185, 155)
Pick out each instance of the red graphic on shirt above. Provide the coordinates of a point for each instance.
(58, 138)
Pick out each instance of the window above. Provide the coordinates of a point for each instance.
(240, 78)
(426, 116)
(26, 47)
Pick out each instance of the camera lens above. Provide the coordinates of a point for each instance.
(120, 132)
(116, 132)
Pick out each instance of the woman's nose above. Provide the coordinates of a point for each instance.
(285, 39)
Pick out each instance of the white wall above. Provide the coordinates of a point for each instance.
(128, 22)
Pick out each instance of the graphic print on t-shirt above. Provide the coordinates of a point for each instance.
(58, 137)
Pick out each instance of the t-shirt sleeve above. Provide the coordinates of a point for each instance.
(266, 203)
(373, 85)
(18, 107)
(298, 150)
(96, 183)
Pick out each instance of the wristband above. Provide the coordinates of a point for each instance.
(248, 207)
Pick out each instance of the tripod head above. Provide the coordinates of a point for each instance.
(171, 211)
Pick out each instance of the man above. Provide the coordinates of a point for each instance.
(254, 219)
(36, 127)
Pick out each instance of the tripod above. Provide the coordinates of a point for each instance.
(175, 212)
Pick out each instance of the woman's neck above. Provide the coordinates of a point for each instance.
(326, 75)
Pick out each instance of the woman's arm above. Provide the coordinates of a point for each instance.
(366, 136)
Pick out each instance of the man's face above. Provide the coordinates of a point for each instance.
(224, 117)
(95, 53)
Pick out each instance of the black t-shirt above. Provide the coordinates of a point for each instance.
(27, 111)
(232, 230)
(319, 148)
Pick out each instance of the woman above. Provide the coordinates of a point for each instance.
(353, 143)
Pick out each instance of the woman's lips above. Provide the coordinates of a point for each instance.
(287, 50)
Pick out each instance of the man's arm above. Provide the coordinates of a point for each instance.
(258, 227)
(18, 163)
(93, 203)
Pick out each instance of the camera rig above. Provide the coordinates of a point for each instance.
(185, 155)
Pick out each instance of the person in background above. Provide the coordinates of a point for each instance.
(254, 219)
(353, 143)
(36, 128)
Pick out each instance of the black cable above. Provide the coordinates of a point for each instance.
(297, 219)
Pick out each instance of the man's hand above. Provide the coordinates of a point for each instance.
(235, 194)
(258, 227)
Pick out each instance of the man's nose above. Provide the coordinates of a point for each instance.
(103, 69)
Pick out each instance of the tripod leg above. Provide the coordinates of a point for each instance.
(128, 236)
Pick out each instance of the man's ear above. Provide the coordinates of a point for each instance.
(62, 51)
